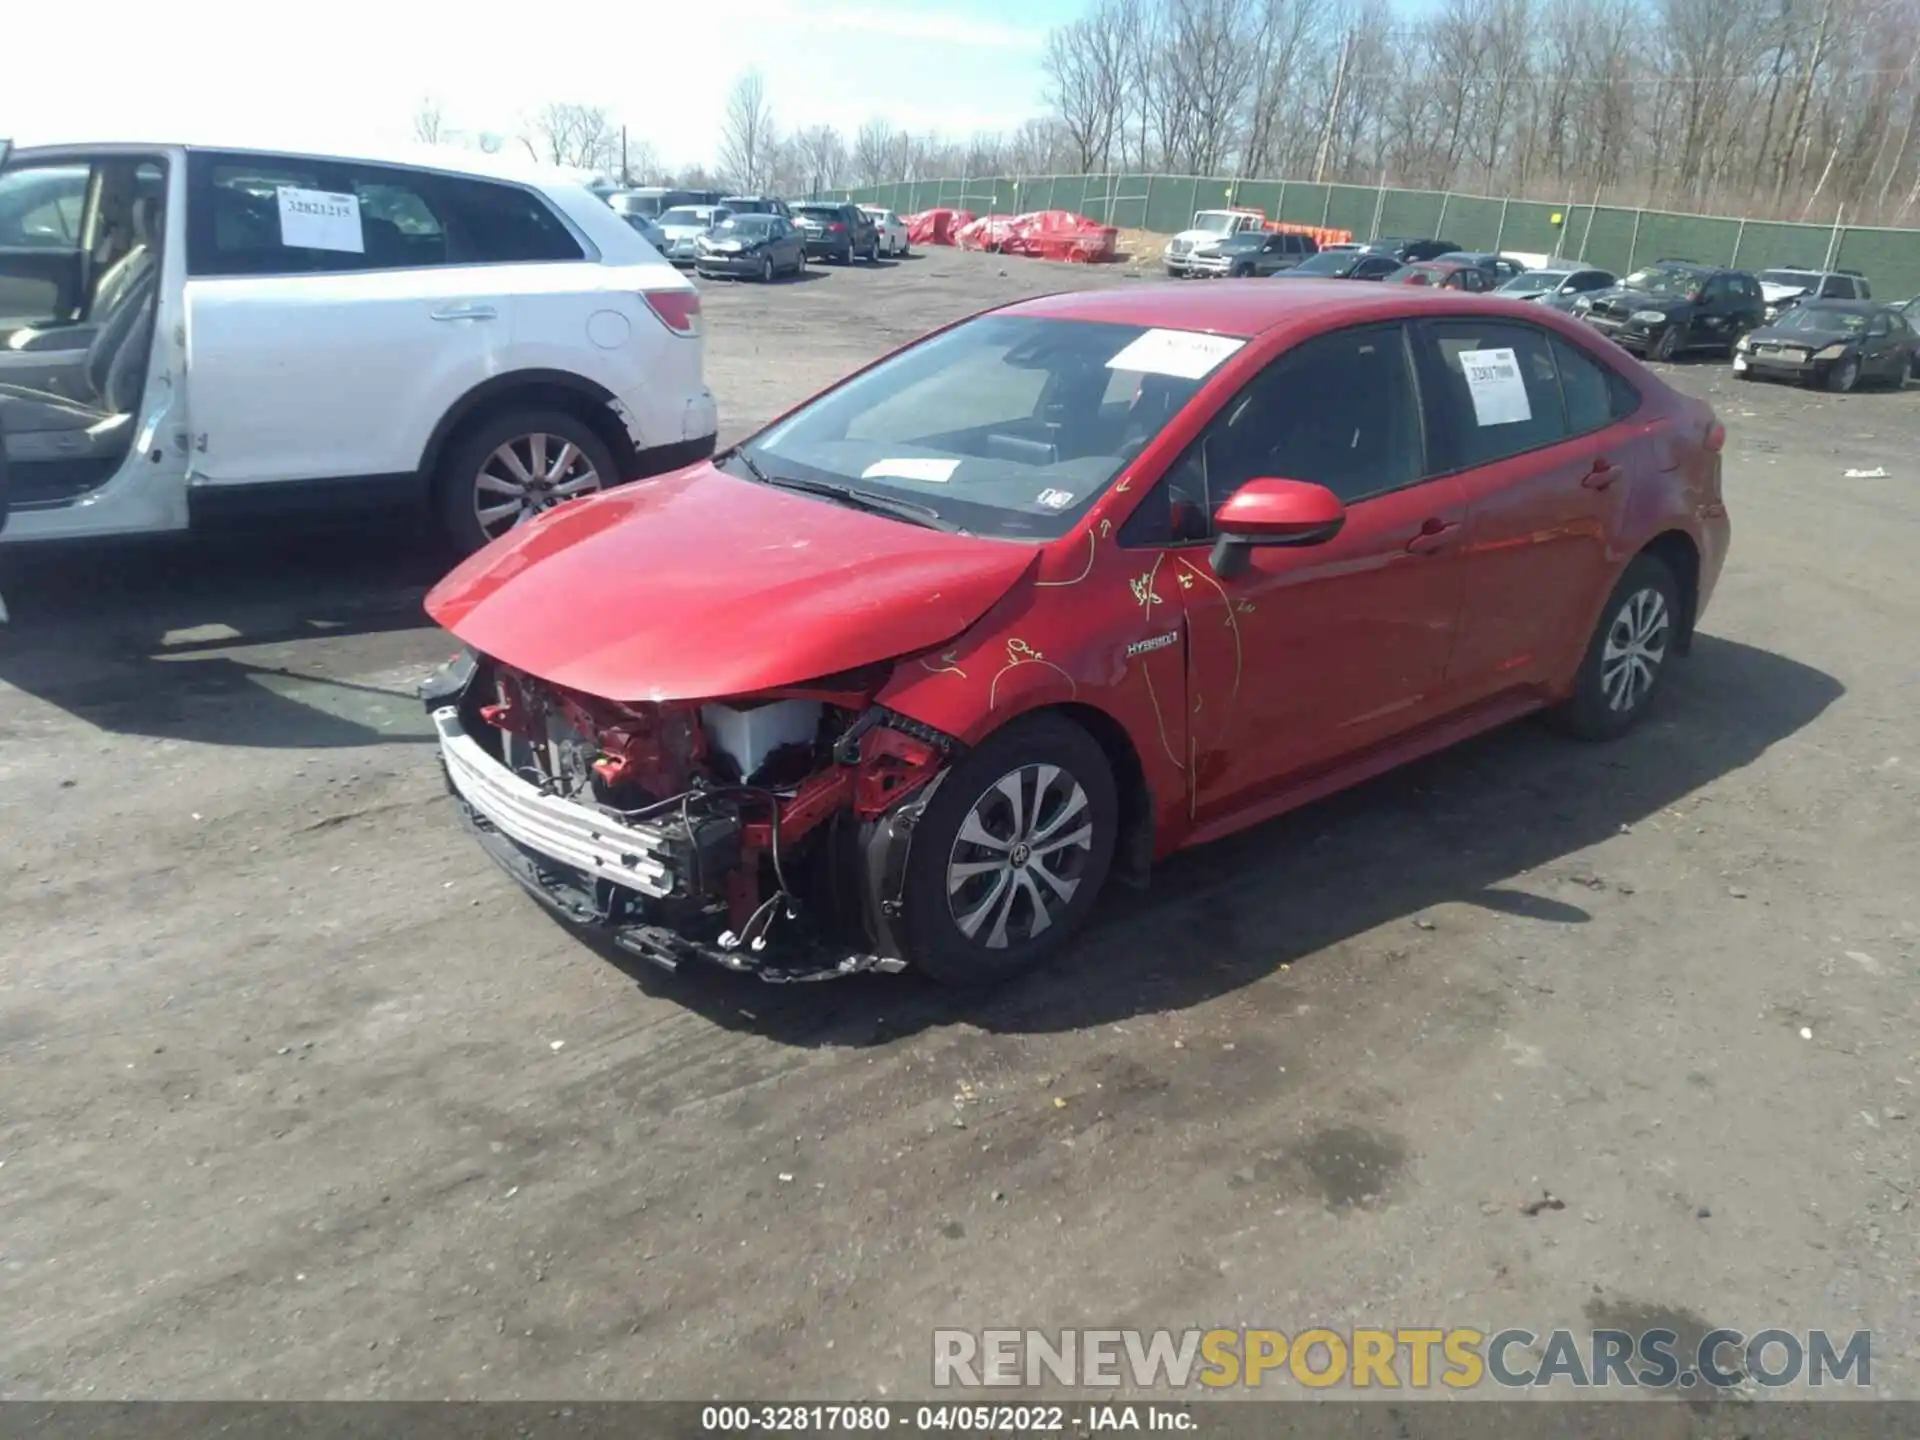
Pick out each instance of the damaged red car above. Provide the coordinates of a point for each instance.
(908, 677)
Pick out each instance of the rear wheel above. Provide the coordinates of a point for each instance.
(1627, 657)
(1009, 858)
(514, 466)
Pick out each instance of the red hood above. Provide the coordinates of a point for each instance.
(698, 585)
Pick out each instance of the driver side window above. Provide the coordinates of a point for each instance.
(1339, 410)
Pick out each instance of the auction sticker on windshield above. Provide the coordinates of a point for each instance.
(1493, 379)
(1182, 354)
(935, 472)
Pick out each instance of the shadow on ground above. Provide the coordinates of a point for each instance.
(210, 641)
(1465, 827)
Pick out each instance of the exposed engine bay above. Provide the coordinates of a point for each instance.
(698, 830)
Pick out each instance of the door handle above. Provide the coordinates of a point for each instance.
(466, 312)
(1603, 474)
(1434, 534)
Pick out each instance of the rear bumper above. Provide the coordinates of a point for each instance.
(829, 247)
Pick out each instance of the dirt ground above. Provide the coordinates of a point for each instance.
(300, 1097)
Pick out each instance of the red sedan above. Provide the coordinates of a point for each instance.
(1444, 275)
(908, 676)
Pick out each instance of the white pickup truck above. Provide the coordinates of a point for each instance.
(1209, 228)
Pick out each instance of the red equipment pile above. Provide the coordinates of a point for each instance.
(1044, 234)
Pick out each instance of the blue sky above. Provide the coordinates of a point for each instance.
(358, 68)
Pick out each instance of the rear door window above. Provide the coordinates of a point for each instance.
(1495, 390)
(498, 224)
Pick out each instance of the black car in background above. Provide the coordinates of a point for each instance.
(756, 205)
(1341, 265)
(1501, 267)
(837, 230)
(1676, 305)
(1835, 343)
(1410, 252)
(1251, 252)
(758, 247)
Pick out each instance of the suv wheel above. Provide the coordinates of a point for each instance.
(514, 466)
(1668, 345)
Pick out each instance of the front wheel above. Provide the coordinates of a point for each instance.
(1844, 376)
(766, 269)
(1667, 346)
(1627, 657)
(515, 466)
(1009, 858)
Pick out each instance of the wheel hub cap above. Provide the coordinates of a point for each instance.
(1019, 856)
(527, 475)
(1635, 647)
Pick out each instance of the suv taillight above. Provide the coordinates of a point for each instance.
(679, 310)
(836, 227)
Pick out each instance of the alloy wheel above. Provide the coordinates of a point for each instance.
(527, 475)
(1020, 856)
(1635, 648)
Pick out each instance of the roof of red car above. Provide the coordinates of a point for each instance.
(1235, 307)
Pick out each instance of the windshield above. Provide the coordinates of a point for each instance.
(1327, 262)
(686, 215)
(1006, 426)
(750, 207)
(1802, 279)
(1215, 222)
(1820, 317)
(1663, 280)
(1538, 280)
(818, 212)
(744, 225)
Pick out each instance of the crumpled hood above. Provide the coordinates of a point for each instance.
(698, 585)
(1773, 293)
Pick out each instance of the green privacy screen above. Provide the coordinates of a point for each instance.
(1611, 238)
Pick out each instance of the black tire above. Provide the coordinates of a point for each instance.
(931, 931)
(1240, 272)
(457, 485)
(766, 269)
(1844, 374)
(1667, 346)
(1592, 711)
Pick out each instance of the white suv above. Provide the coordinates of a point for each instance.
(193, 337)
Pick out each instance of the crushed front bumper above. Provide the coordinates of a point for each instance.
(649, 885)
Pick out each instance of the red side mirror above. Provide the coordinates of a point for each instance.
(1273, 512)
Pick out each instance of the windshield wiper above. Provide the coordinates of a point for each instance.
(739, 453)
(868, 500)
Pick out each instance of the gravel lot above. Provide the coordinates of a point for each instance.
(299, 1097)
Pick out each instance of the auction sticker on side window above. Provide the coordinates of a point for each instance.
(1493, 379)
(1183, 354)
(320, 220)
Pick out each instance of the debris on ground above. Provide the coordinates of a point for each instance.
(1547, 1201)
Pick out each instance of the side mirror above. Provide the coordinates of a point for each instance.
(1273, 512)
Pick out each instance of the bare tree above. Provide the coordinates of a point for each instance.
(581, 136)
(429, 124)
(1086, 65)
(873, 154)
(747, 133)
(820, 158)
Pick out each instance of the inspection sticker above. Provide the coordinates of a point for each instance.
(1493, 379)
(934, 472)
(320, 220)
(1055, 499)
(1183, 354)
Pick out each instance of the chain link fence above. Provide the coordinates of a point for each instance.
(1606, 236)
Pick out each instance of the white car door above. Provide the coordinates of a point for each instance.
(326, 331)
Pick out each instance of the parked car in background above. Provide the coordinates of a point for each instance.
(684, 225)
(1443, 275)
(1209, 227)
(1341, 246)
(1786, 286)
(256, 336)
(1250, 253)
(1675, 305)
(649, 202)
(837, 230)
(892, 230)
(1559, 284)
(757, 246)
(1835, 343)
(756, 205)
(649, 231)
(1341, 265)
(1005, 614)
(1501, 267)
(1409, 252)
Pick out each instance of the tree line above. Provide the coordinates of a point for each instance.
(1784, 109)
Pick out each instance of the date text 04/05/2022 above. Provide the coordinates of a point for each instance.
(885, 1418)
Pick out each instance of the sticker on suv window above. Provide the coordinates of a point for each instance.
(1493, 380)
(320, 220)
(1183, 354)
